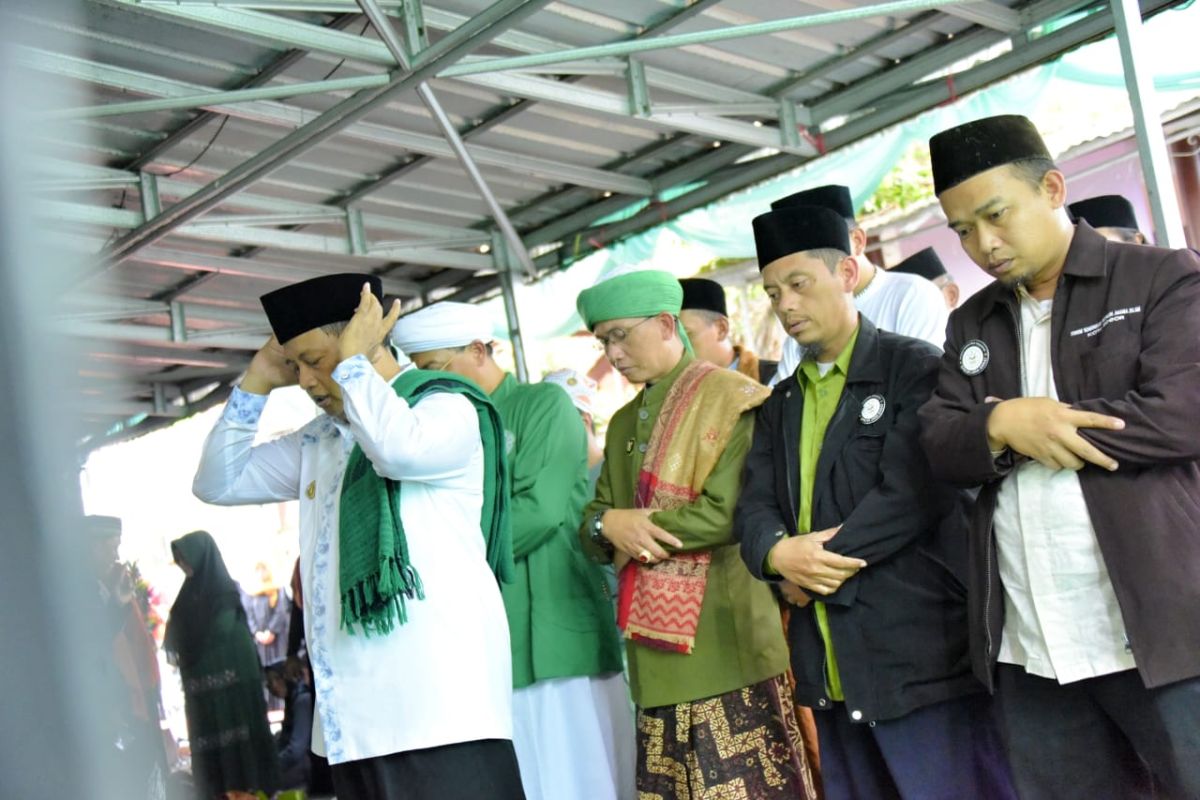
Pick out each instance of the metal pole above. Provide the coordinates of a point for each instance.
(1147, 122)
(389, 37)
(625, 48)
(483, 27)
(504, 266)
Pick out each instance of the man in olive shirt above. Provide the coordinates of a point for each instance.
(705, 649)
(839, 500)
(572, 728)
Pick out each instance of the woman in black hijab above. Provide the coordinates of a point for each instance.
(208, 640)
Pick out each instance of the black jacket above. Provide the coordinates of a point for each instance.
(1125, 341)
(899, 626)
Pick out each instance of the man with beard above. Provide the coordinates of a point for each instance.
(1067, 395)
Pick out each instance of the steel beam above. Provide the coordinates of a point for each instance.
(91, 307)
(156, 335)
(257, 268)
(273, 30)
(598, 100)
(232, 233)
(932, 95)
(935, 93)
(396, 47)
(273, 210)
(1153, 154)
(883, 84)
(866, 50)
(217, 98)
(676, 18)
(862, 93)
(989, 14)
(107, 350)
(278, 114)
(268, 72)
(629, 47)
(311, 6)
(475, 33)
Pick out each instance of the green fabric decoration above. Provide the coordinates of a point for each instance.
(643, 293)
(375, 577)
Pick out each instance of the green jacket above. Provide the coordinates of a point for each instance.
(560, 618)
(739, 641)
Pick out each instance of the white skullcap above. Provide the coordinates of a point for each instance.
(580, 388)
(440, 326)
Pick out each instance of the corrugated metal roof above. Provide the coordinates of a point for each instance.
(560, 146)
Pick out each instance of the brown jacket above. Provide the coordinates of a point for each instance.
(752, 366)
(1125, 331)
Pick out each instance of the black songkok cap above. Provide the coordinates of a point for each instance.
(834, 197)
(701, 294)
(795, 229)
(303, 306)
(924, 263)
(975, 147)
(1105, 211)
(99, 527)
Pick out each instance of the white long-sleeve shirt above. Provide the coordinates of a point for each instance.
(1061, 618)
(894, 301)
(445, 675)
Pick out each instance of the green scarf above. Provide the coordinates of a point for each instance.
(374, 573)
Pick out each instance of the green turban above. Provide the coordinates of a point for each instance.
(643, 293)
(635, 294)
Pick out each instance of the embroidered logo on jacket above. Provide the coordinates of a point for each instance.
(1116, 315)
(973, 358)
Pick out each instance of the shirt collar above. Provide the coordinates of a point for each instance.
(810, 372)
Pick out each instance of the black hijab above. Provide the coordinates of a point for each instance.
(206, 592)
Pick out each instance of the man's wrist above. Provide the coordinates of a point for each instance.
(253, 384)
(769, 567)
(243, 407)
(596, 532)
(995, 420)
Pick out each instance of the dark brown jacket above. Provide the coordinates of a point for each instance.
(753, 367)
(1125, 331)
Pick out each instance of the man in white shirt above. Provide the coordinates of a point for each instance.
(403, 534)
(898, 303)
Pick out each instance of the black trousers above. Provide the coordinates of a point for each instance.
(947, 751)
(464, 771)
(1100, 738)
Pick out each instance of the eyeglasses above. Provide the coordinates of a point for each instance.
(618, 335)
(442, 367)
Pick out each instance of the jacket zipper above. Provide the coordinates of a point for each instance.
(787, 460)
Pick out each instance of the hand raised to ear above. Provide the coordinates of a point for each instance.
(368, 328)
(269, 369)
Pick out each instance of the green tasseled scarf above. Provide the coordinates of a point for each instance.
(375, 576)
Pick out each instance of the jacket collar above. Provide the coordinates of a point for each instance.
(865, 366)
(1086, 255)
(1085, 259)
